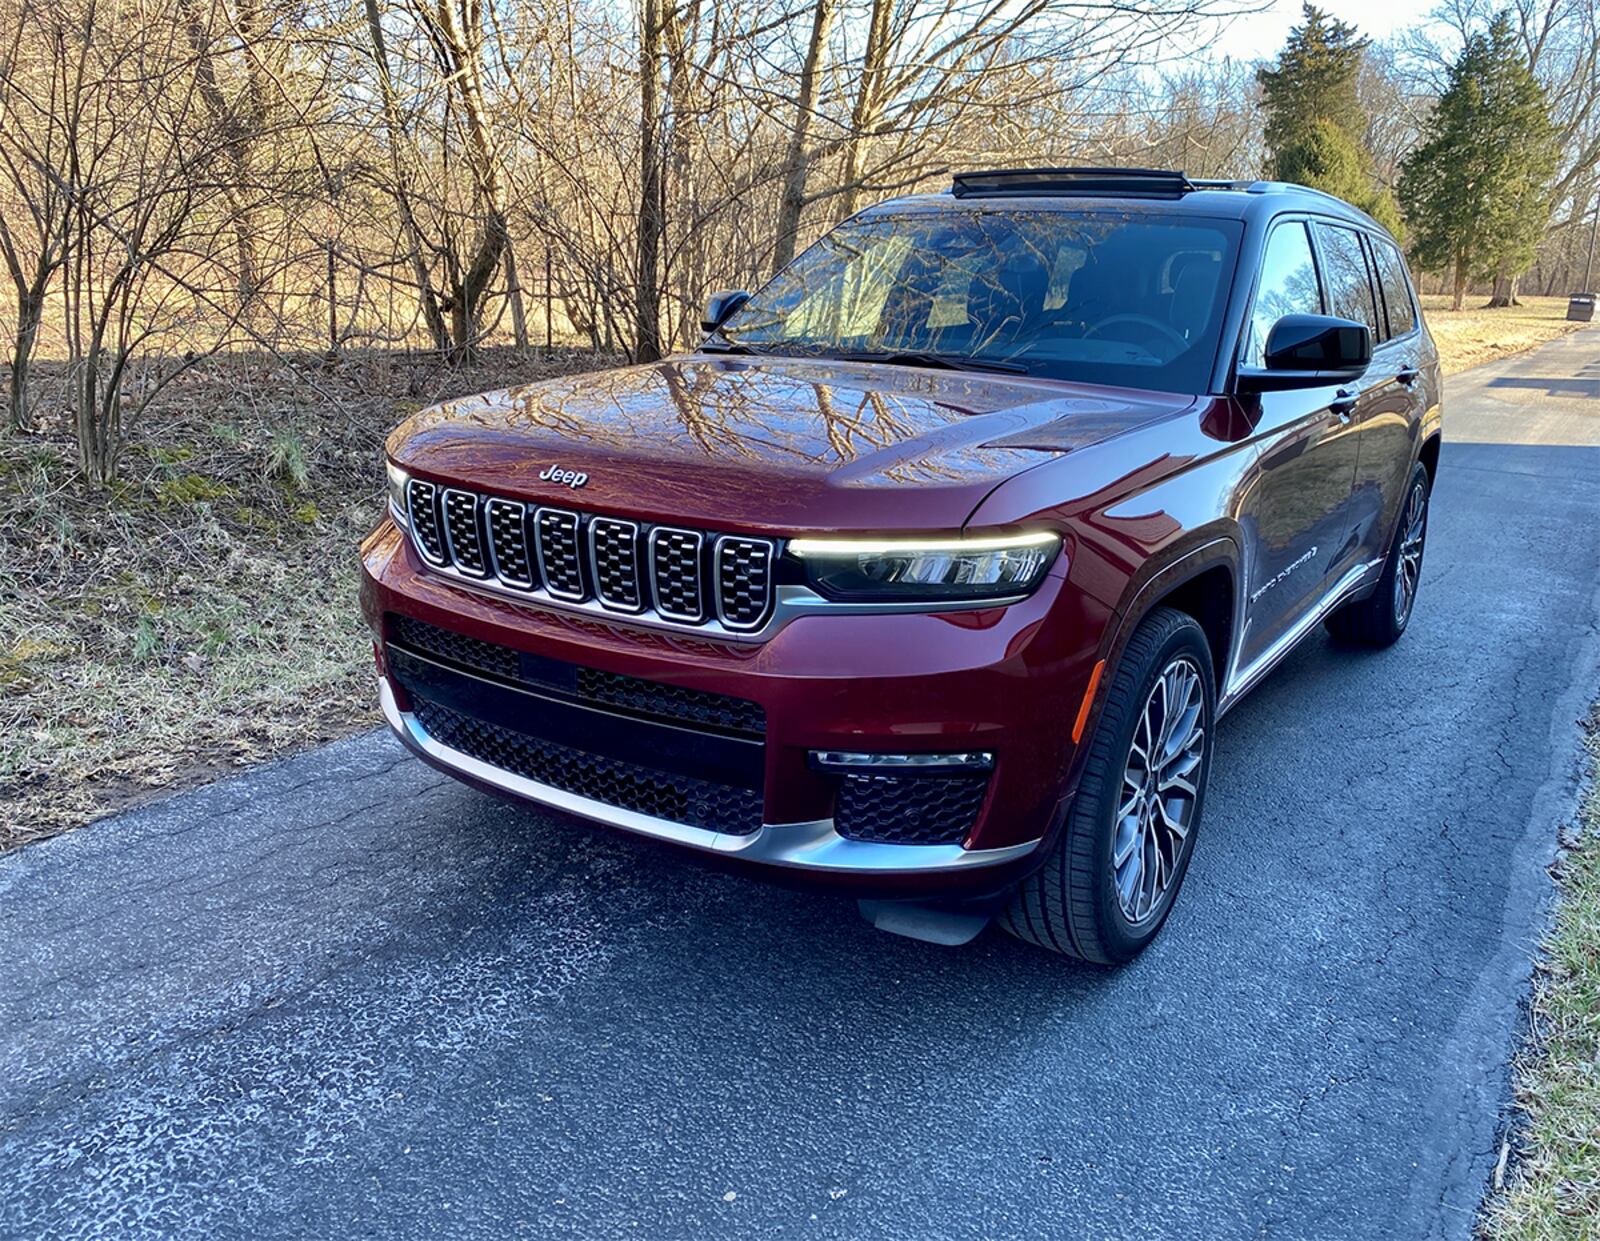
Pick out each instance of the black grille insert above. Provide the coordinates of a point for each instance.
(675, 573)
(463, 533)
(508, 538)
(560, 557)
(909, 810)
(422, 506)
(663, 795)
(744, 581)
(615, 544)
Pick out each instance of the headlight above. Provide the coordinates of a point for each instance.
(921, 570)
(398, 479)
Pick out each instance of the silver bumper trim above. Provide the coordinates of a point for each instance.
(813, 846)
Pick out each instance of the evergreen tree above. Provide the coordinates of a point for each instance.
(1476, 193)
(1329, 159)
(1313, 81)
(1315, 122)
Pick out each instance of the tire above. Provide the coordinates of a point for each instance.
(1380, 618)
(1072, 904)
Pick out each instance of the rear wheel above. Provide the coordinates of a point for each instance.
(1115, 870)
(1382, 617)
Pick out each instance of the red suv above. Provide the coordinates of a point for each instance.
(929, 573)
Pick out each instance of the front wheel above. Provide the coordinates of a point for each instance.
(1382, 617)
(1116, 867)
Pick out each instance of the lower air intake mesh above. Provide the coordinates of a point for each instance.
(663, 795)
(909, 810)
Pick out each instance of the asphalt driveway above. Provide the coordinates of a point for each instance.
(344, 997)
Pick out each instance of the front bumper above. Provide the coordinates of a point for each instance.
(1003, 680)
(813, 846)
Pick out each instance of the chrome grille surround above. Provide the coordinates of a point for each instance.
(614, 555)
(422, 505)
(662, 576)
(463, 531)
(508, 542)
(560, 553)
(742, 576)
(676, 575)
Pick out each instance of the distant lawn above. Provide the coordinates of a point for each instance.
(1472, 336)
(1553, 1193)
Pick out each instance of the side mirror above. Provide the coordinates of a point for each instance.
(721, 306)
(1309, 351)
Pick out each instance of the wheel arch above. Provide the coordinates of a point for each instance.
(1203, 580)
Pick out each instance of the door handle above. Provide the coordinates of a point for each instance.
(1344, 402)
(1408, 375)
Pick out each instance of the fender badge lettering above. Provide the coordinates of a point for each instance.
(567, 478)
(1283, 573)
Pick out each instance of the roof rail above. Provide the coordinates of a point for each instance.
(1085, 182)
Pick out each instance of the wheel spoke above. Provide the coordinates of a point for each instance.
(1161, 787)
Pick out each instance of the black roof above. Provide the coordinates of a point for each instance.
(1141, 189)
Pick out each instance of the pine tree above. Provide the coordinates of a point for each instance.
(1315, 122)
(1313, 81)
(1329, 159)
(1476, 193)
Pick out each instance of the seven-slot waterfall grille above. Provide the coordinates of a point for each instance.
(686, 577)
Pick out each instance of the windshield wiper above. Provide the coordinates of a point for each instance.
(941, 361)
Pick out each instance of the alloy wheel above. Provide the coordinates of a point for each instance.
(1414, 525)
(1160, 790)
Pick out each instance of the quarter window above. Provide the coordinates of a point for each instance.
(1396, 289)
(1288, 287)
(1344, 267)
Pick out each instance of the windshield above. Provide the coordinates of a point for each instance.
(1098, 298)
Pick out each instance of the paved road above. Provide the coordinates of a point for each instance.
(342, 997)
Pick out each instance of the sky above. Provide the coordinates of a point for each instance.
(1260, 35)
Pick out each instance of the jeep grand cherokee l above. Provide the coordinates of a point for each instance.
(930, 572)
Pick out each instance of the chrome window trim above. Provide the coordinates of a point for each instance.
(598, 519)
(539, 511)
(450, 543)
(489, 502)
(716, 581)
(813, 845)
(438, 522)
(699, 538)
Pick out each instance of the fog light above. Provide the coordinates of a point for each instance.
(856, 760)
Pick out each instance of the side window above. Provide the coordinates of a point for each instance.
(1344, 267)
(1396, 289)
(1288, 287)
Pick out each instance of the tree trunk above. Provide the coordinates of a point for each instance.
(30, 310)
(647, 290)
(864, 115)
(394, 123)
(519, 314)
(1460, 283)
(1505, 292)
(796, 164)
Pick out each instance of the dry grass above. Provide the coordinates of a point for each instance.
(1554, 1191)
(202, 613)
(1476, 335)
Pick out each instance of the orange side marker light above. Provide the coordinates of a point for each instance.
(1088, 699)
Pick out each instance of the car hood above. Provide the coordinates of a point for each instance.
(779, 445)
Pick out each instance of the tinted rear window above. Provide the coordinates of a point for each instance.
(1396, 289)
(1344, 270)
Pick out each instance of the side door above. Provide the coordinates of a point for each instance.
(1392, 418)
(1296, 511)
